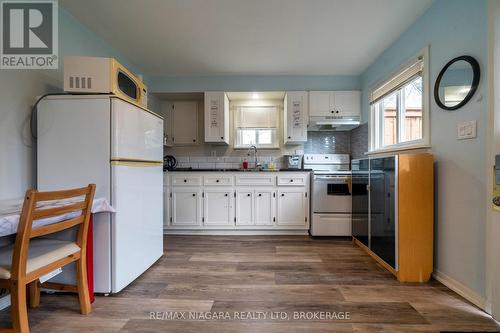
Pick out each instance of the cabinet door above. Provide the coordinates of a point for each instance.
(185, 123)
(348, 103)
(218, 207)
(166, 112)
(244, 207)
(383, 208)
(186, 206)
(320, 103)
(296, 117)
(360, 182)
(166, 207)
(292, 207)
(265, 207)
(216, 117)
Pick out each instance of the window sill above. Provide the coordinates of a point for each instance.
(398, 149)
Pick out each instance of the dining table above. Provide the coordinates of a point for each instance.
(10, 211)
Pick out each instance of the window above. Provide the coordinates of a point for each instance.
(399, 115)
(256, 125)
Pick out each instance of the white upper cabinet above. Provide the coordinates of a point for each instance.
(184, 122)
(216, 117)
(348, 103)
(334, 103)
(166, 112)
(295, 117)
(320, 103)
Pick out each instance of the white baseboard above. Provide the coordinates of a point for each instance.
(460, 289)
(4, 302)
(235, 232)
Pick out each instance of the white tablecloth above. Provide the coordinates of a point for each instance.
(10, 211)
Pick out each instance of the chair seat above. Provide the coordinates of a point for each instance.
(42, 252)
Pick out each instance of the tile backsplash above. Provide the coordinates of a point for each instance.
(359, 141)
(354, 143)
(223, 162)
(327, 143)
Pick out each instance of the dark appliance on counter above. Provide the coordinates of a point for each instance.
(169, 163)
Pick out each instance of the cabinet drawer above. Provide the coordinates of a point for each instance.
(218, 180)
(186, 180)
(256, 180)
(292, 180)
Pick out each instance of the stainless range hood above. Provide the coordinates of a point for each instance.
(333, 123)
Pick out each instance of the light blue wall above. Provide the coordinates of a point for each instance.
(451, 28)
(18, 90)
(252, 83)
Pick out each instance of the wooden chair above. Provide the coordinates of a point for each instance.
(31, 257)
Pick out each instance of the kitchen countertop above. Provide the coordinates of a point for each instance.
(237, 170)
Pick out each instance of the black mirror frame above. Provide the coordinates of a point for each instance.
(475, 82)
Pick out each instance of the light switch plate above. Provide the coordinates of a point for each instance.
(467, 130)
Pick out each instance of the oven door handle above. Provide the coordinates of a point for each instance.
(336, 180)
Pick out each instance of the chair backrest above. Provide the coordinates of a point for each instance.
(75, 211)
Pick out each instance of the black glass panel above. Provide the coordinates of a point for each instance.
(127, 85)
(360, 200)
(382, 208)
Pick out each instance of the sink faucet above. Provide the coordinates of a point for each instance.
(256, 165)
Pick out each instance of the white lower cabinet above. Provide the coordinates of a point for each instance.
(292, 207)
(244, 207)
(167, 216)
(218, 207)
(186, 206)
(273, 202)
(265, 207)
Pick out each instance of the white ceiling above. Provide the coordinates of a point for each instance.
(249, 37)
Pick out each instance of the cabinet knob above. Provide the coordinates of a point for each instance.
(260, 194)
(217, 181)
(332, 111)
(194, 194)
(225, 194)
(337, 111)
(185, 180)
(194, 140)
(282, 194)
(248, 194)
(291, 180)
(289, 137)
(222, 137)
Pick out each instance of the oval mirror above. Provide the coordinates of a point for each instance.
(456, 83)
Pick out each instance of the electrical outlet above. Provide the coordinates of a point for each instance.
(467, 130)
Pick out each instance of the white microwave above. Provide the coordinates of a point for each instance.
(103, 76)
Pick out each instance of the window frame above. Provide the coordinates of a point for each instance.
(274, 136)
(376, 121)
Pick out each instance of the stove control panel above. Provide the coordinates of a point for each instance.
(326, 159)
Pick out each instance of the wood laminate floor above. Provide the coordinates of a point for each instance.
(251, 278)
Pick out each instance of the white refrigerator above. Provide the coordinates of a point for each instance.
(118, 146)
